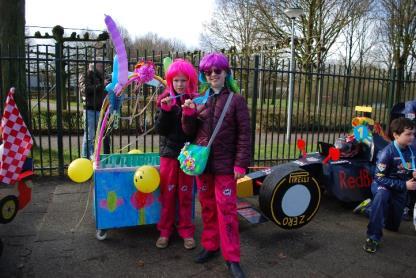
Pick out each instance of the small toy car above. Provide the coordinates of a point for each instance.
(14, 198)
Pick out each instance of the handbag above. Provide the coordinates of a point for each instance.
(193, 158)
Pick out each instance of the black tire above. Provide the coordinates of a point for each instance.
(289, 196)
(8, 209)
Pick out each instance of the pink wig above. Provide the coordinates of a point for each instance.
(181, 66)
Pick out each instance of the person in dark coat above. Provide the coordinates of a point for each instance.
(228, 160)
(91, 86)
(176, 186)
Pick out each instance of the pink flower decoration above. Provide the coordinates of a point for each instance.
(145, 71)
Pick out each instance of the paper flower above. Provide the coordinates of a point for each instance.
(145, 71)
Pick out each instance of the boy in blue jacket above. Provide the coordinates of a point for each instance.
(394, 175)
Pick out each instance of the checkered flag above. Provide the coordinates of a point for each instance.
(17, 142)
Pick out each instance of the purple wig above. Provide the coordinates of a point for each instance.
(219, 61)
(216, 60)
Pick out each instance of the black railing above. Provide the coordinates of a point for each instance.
(323, 106)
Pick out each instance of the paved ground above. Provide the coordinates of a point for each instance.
(45, 241)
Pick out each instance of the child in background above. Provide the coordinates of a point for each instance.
(176, 186)
(229, 158)
(394, 175)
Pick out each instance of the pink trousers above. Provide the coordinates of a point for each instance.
(176, 199)
(218, 197)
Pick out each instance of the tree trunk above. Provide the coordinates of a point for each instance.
(12, 52)
(346, 97)
(399, 82)
(308, 69)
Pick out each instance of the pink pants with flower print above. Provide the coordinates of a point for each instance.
(175, 189)
(218, 197)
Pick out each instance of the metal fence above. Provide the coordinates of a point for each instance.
(323, 106)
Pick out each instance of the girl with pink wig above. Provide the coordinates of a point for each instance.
(176, 186)
(228, 160)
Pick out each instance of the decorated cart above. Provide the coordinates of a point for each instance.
(125, 185)
(117, 200)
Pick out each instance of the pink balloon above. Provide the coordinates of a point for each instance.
(100, 138)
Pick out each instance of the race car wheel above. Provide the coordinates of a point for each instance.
(289, 196)
(8, 209)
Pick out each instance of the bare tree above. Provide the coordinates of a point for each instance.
(398, 25)
(12, 44)
(319, 28)
(152, 41)
(357, 42)
(358, 38)
(412, 60)
(233, 26)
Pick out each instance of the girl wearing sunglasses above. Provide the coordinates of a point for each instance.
(228, 160)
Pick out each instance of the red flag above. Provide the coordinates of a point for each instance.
(17, 141)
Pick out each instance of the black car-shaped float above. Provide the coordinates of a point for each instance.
(289, 194)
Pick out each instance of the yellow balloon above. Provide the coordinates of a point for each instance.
(80, 170)
(146, 179)
(135, 151)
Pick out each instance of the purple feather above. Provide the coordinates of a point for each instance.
(121, 53)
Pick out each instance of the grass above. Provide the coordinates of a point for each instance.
(327, 108)
(48, 158)
(279, 151)
(34, 104)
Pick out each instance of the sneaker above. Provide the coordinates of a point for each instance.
(406, 214)
(162, 242)
(189, 243)
(370, 245)
(205, 256)
(235, 270)
(360, 209)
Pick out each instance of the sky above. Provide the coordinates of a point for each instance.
(179, 19)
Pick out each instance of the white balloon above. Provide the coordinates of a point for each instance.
(1, 151)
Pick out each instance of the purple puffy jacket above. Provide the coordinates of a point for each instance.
(231, 146)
